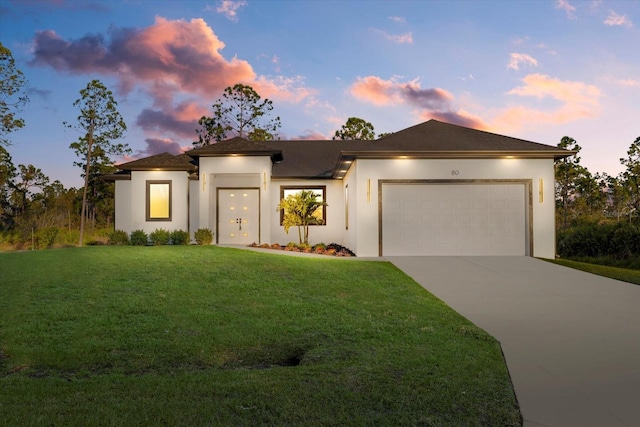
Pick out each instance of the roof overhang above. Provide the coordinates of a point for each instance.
(118, 176)
(348, 157)
(190, 168)
(275, 155)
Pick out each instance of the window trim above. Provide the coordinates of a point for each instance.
(322, 188)
(149, 183)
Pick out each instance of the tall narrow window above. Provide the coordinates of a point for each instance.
(158, 201)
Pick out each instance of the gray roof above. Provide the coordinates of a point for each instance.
(324, 159)
(163, 161)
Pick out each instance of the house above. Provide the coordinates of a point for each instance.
(432, 189)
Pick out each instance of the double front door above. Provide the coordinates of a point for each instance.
(238, 216)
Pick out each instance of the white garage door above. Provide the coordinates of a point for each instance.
(454, 219)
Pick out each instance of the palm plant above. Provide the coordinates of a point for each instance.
(300, 210)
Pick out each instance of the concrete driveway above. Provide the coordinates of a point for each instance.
(571, 339)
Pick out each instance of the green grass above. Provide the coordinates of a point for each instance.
(624, 274)
(188, 336)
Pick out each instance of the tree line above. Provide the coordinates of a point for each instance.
(35, 212)
(583, 197)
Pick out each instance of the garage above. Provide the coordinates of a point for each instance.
(449, 218)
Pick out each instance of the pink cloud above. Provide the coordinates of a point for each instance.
(618, 20)
(310, 135)
(230, 8)
(567, 7)
(400, 39)
(576, 101)
(629, 82)
(175, 56)
(169, 60)
(433, 103)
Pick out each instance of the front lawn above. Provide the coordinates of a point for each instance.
(202, 335)
(624, 274)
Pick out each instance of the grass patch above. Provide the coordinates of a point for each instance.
(189, 335)
(624, 274)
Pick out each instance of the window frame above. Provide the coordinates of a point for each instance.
(148, 216)
(314, 188)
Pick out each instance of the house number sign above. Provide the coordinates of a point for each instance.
(455, 172)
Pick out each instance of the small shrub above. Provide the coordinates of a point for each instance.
(139, 238)
(204, 236)
(160, 237)
(304, 247)
(118, 237)
(179, 237)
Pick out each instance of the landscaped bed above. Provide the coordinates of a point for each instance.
(332, 249)
(202, 335)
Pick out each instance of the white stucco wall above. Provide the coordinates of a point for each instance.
(253, 172)
(349, 236)
(367, 216)
(331, 232)
(137, 201)
(123, 206)
(362, 234)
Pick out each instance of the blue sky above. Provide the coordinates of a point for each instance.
(537, 70)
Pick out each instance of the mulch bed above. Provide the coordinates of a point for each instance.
(332, 249)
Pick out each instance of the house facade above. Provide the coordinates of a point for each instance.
(432, 189)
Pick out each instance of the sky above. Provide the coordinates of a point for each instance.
(537, 70)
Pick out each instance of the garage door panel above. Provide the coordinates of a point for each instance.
(454, 219)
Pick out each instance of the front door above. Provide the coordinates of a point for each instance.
(238, 216)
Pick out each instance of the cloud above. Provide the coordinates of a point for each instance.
(430, 103)
(160, 145)
(629, 82)
(618, 20)
(229, 8)
(310, 135)
(400, 39)
(42, 93)
(181, 121)
(567, 7)
(398, 19)
(576, 100)
(517, 59)
(175, 56)
(170, 60)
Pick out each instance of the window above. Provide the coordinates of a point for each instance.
(158, 201)
(320, 213)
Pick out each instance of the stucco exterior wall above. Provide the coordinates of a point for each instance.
(543, 210)
(137, 201)
(350, 233)
(123, 206)
(251, 172)
(331, 232)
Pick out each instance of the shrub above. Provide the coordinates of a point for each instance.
(160, 237)
(118, 237)
(139, 238)
(179, 237)
(46, 237)
(618, 241)
(204, 236)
